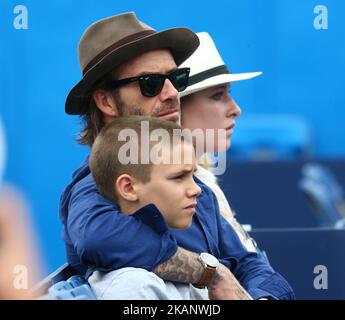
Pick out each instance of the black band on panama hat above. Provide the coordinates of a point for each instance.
(207, 68)
(110, 42)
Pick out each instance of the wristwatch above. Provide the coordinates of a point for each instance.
(210, 265)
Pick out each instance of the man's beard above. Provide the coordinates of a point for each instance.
(125, 110)
(168, 106)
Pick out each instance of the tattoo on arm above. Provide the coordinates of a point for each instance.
(235, 287)
(183, 267)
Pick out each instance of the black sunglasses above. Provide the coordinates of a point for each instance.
(152, 84)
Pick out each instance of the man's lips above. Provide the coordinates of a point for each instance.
(166, 113)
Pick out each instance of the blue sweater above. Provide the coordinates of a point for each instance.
(99, 237)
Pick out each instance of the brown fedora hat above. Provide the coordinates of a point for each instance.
(112, 41)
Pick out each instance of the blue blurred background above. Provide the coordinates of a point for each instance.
(303, 80)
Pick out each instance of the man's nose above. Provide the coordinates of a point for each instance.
(168, 91)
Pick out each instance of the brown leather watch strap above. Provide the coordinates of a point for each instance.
(206, 277)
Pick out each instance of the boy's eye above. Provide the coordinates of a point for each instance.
(181, 176)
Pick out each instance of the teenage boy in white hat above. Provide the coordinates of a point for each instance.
(129, 68)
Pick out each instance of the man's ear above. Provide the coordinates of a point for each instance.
(126, 187)
(105, 102)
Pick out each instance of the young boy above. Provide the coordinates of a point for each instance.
(150, 178)
(161, 175)
(158, 177)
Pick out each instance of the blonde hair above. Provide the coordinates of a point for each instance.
(104, 161)
(205, 162)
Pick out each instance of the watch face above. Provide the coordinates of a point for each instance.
(209, 259)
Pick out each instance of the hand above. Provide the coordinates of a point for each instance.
(224, 286)
(18, 257)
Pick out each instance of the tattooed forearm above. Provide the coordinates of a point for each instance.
(230, 289)
(183, 267)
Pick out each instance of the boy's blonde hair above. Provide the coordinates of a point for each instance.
(104, 159)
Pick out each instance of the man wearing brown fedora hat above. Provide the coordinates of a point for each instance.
(130, 69)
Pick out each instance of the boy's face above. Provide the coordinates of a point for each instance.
(172, 189)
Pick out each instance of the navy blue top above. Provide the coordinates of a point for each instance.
(99, 237)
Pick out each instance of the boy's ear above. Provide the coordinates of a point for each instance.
(105, 102)
(125, 187)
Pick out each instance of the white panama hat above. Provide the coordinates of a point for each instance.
(208, 68)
